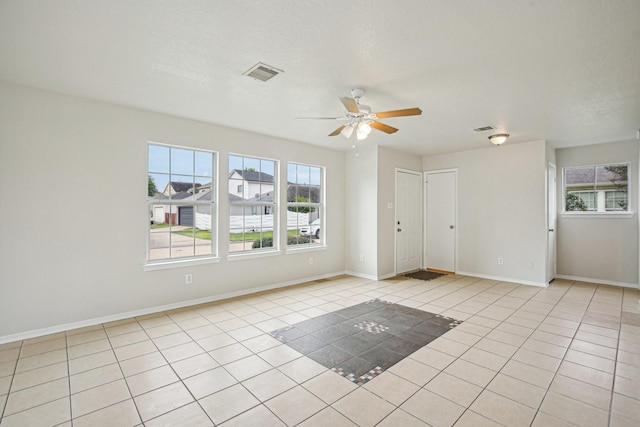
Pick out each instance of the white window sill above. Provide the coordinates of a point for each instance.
(305, 248)
(167, 264)
(251, 255)
(607, 215)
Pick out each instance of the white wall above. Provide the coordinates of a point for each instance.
(361, 215)
(388, 161)
(65, 160)
(501, 210)
(601, 249)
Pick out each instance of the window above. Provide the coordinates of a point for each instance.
(305, 210)
(253, 214)
(600, 188)
(615, 200)
(181, 203)
(588, 198)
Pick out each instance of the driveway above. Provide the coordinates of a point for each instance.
(181, 246)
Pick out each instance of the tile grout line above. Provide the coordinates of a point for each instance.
(555, 374)
(180, 379)
(66, 349)
(13, 376)
(468, 407)
(368, 288)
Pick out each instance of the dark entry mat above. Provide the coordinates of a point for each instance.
(424, 275)
(362, 341)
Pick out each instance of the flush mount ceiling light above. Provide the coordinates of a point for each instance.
(499, 139)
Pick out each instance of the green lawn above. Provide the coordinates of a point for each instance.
(233, 237)
(160, 225)
(200, 234)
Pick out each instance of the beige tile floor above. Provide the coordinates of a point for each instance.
(564, 355)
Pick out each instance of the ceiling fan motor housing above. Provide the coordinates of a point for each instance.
(357, 93)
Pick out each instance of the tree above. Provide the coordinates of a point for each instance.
(152, 187)
(301, 209)
(619, 172)
(575, 203)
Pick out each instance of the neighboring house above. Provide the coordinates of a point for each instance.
(235, 209)
(312, 192)
(600, 188)
(174, 187)
(248, 184)
(181, 215)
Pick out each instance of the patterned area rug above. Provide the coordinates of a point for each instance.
(424, 275)
(362, 341)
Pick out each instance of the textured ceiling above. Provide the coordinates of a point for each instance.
(564, 71)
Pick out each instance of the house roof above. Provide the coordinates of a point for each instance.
(293, 191)
(264, 197)
(565, 72)
(201, 196)
(591, 175)
(183, 186)
(254, 176)
(297, 190)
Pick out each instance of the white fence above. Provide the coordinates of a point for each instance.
(252, 222)
(265, 222)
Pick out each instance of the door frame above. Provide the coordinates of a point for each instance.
(552, 270)
(425, 220)
(395, 216)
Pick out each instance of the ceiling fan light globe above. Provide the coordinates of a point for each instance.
(347, 131)
(364, 128)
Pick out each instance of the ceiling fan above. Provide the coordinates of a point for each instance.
(360, 118)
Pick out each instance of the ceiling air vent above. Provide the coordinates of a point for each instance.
(262, 72)
(484, 128)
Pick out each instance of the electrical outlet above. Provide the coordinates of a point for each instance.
(310, 261)
(188, 279)
(361, 258)
(500, 260)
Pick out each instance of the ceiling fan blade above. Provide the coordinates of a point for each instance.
(384, 128)
(337, 131)
(399, 113)
(320, 118)
(350, 104)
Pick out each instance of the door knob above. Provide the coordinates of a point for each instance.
(399, 229)
(451, 227)
(551, 229)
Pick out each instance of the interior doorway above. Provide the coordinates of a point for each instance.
(408, 221)
(551, 221)
(441, 195)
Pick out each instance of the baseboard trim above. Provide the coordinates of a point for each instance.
(597, 281)
(361, 275)
(503, 279)
(150, 310)
(370, 276)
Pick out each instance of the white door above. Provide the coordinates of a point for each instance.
(441, 200)
(408, 221)
(551, 221)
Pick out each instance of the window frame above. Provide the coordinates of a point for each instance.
(211, 205)
(611, 213)
(318, 206)
(257, 207)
